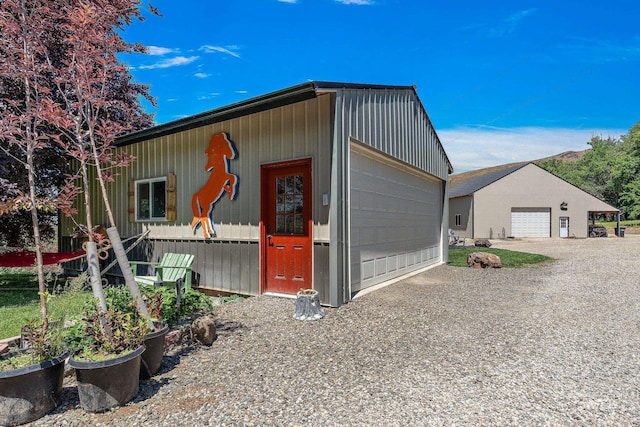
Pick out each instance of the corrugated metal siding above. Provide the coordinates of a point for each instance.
(396, 218)
(394, 122)
(294, 131)
(391, 121)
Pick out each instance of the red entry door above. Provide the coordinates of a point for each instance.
(286, 227)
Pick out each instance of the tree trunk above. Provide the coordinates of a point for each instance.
(308, 305)
(116, 244)
(123, 261)
(36, 237)
(92, 257)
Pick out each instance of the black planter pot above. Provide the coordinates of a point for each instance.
(108, 383)
(29, 393)
(152, 356)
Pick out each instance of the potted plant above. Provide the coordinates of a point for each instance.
(107, 364)
(31, 378)
(118, 299)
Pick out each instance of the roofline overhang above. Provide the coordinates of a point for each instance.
(280, 98)
(290, 95)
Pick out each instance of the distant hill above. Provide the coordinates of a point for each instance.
(567, 156)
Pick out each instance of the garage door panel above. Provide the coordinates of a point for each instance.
(395, 218)
(531, 222)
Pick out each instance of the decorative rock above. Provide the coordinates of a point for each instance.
(483, 260)
(308, 305)
(482, 243)
(204, 329)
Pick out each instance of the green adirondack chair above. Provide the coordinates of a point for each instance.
(169, 270)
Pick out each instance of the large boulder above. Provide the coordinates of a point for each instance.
(204, 329)
(483, 260)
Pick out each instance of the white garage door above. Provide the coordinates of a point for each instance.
(395, 218)
(531, 222)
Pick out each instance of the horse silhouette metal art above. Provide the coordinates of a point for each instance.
(221, 149)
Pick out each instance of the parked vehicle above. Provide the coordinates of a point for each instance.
(597, 230)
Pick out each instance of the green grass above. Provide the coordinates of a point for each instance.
(17, 308)
(509, 259)
(18, 280)
(629, 223)
(20, 302)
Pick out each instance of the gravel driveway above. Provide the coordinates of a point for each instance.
(552, 345)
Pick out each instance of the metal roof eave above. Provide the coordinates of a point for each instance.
(279, 98)
(286, 96)
(265, 102)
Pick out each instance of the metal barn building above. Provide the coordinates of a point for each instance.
(332, 186)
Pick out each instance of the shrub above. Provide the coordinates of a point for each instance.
(161, 302)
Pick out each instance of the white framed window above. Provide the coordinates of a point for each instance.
(151, 199)
(458, 219)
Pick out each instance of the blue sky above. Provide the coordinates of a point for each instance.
(502, 81)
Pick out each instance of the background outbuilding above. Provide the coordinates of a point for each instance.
(521, 200)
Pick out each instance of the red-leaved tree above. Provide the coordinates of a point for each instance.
(25, 28)
(96, 92)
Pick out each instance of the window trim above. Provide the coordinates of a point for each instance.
(458, 220)
(150, 182)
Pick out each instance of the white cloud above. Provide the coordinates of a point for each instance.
(470, 149)
(209, 96)
(596, 50)
(157, 50)
(288, 1)
(242, 91)
(202, 75)
(509, 25)
(358, 2)
(171, 62)
(219, 49)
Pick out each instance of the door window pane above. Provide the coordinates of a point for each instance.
(280, 185)
(290, 204)
(289, 185)
(297, 203)
(298, 184)
(289, 209)
(280, 204)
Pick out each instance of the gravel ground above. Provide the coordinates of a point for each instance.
(556, 344)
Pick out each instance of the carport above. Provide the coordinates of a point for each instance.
(592, 221)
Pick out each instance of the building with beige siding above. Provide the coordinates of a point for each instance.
(332, 186)
(520, 200)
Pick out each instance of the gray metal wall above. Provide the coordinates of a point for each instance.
(393, 122)
(395, 219)
(230, 262)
